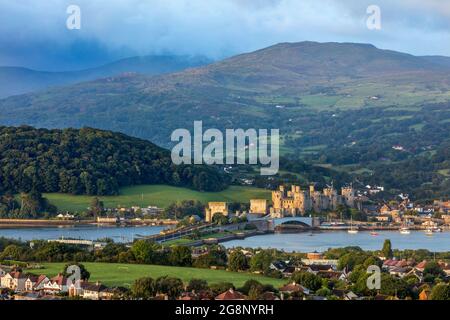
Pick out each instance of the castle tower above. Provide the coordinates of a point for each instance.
(349, 196)
(215, 207)
(277, 199)
(208, 215)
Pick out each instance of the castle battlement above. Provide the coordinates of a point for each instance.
(297, 201)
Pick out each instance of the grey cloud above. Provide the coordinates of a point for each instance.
(215, 28)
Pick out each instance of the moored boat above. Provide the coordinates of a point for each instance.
(405, 231)
(352, 230)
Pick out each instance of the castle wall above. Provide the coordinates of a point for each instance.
(297, 202)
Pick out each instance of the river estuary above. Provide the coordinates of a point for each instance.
(302, 242)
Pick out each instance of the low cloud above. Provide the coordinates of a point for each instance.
(33, 33)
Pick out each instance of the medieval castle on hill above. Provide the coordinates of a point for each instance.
(294, 202)
(298, 202)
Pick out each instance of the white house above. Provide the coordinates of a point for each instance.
(35, 283)
(56, 285)
(14, 281)
(91, 291)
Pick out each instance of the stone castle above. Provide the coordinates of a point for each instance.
(298, 202)
(215, 207)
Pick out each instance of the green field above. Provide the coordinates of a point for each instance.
(116, 274)
(156, 195)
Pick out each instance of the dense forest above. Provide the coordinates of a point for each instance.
(92, 162)
(403, 150)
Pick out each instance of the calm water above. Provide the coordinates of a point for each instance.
(321, 241)
(302, 242)
(118, 234)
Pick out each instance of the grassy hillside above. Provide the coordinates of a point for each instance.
(159, 195)
(114, 274)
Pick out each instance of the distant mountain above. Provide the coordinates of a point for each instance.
(381, 115)
(242, 91)
(17, 80)
(438, 60)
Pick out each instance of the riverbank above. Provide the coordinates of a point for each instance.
(12, 223)
(316, 240)
(39, 223)
(216, 239)
(324, 239)
(119, 274)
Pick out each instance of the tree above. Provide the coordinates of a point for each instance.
(262, 260)
(33, 205)
(433, 270)
(308, 280)
(197, 285)
(387, 249)
(249, 284)
(185, 208)
(220, 219)
(170, 286)
(255, 293)
(351, 259)
(220, 287)
(372, 261)
(11, 252)
(143, 251)
(180, 256)
(216, 256)
(440, 292)
(324, 292)
(96, 207)
(144, 288)
(357, 273)
(237, 261)
(393, 286)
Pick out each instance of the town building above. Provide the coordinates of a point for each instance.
(57, 284)
(230, 295)
(35, 283)
(293, 287)
(14, 280)
(259, 206)
(442, 206)
(215, 207)
(107, 220)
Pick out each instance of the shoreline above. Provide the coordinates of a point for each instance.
(243, 236)
(40, 223)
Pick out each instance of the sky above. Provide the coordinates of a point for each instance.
(33, 33)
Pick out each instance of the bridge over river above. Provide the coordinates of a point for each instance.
(262, 224)
(308, 222)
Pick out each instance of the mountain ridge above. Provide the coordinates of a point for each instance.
(21, 80)
(240, 91)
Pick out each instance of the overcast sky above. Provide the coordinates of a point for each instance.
(33, 33)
